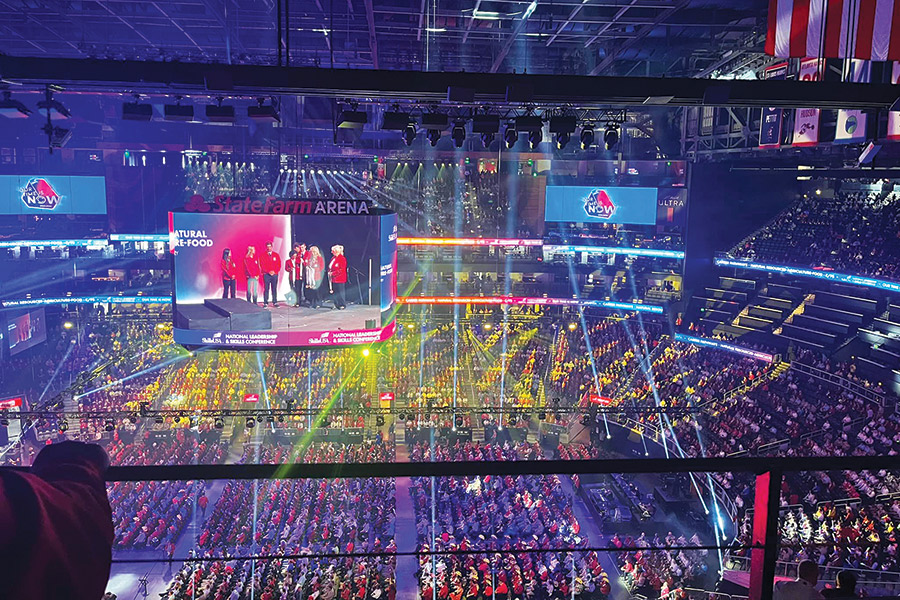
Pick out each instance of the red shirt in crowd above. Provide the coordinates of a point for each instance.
(270, 263)
(337, 269)
(251, 266)
(229, 269)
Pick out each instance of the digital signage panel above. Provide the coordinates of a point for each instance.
(26, 330)
(52, 195)
(283, 280)
(600, 204)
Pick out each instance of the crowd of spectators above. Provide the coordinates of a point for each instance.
(854, 232)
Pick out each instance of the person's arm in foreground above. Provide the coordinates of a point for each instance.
(56, 527)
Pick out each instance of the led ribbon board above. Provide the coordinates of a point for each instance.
(87, 300)
(812, 273)
(720, 345)
(526, 301)
(568, 249)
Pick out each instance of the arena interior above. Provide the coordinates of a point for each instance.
(571, 299)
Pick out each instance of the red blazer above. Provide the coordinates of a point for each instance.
(270, 262)
(251, 267)
(294, 268)
(337, 269)
(229, 269)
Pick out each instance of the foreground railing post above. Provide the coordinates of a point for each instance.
(765, 537)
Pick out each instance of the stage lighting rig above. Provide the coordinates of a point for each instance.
(510, 136)
(587, 136)
(458, 134)
(535, 138)
(264, 113)
(487, 139)
(219, 113)
(611, 136)
(251, 422)
(51, 107)
(409, 134)
(13, 109)
(562, 139)
(433, 136)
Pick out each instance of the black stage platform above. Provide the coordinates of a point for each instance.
(235, 314)
(242, 315)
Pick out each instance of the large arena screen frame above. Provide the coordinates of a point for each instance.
(332, 270)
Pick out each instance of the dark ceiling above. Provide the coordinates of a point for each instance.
(694, 38)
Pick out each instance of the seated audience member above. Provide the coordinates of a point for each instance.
(56, 529)
(802, 588)
(845, 586)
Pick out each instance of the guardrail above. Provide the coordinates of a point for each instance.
(878, 582)
(841, 382)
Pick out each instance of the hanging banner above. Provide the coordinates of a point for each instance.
(851, 124)
(806, 120)
(770, 123)
(893, 125)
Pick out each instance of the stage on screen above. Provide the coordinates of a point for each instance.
(286, 279)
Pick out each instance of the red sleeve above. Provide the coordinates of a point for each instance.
(56, 533)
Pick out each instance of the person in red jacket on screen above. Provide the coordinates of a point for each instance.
(270, 263)
(56, 529)
(252, 271)
(315, 272)
(229, 274)
(337, 276)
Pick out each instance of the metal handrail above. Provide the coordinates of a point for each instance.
(841, 382)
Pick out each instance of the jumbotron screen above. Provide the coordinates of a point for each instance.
(284, 280)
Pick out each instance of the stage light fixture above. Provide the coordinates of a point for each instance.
(352, 119)
(487, 139)
(13, 109)
(401, 416)
(562, 139)
(219, 423)
(433, 136)
(379, 421)
(542, 416)
(264, 113)
(394, 120)
(159, 420)
(458, 134)
(63, 426)
(134, 111)
(366, 352)
(51, 107)
(409, 135)
(585, 419)
(510, 136)
(535, 138)
(68, 325)
(611, 137)
(251, 423)
(217, 113)
(109, 425)
(573, 326)
(57, 137)
(587, 137)
(178, 111)
(458, 421)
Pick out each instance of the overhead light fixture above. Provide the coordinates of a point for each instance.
(409, 134)
(219, 113)
(562, 127)
(529, 123)
(251, 423)
(13, 109)
(485, 15)
(487, 139)
(52, 107)
(611, 137)
(587, 137)
(458, 134)
(109, 425)
(562, 139)
(264, 113)
(529, 10)
(57, 136)
(485, 124)
(535, 138)
(435, 29)
(135, 111)
(433, 136)
(394, 120)
(510, 136)
(219, 423)
(178, 111)
(352, 119)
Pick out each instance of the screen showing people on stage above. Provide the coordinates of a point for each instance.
(26, 330)
(248, 280)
